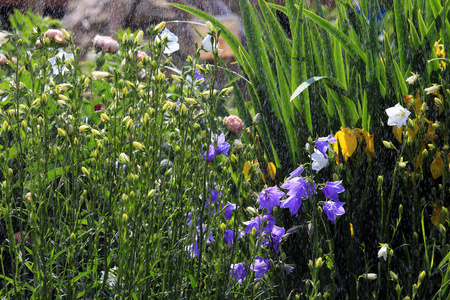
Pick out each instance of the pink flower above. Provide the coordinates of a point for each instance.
(139, 56)
(106, 43)
(234, 124)
(3, 60)
(56, 35)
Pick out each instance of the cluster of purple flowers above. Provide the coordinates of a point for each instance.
(299, 188)
(263, 226)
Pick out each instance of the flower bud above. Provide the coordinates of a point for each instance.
(238, 144)
(177, 78)
(62, 132)
(5, 126)
(210, 26)
(393, 275)
(160, 27)
(422, 276)
(234, 124)
(369, 276)
(257, 119)
(146, 119)
(138, 146)
(104, 118)
(319, 262)
(73, 238)
(95, 132)
(222, 227)
(44, 98)
(129, 124)
(85, 171)
(388, 144)
(191, 100)
(124, 159)
(86, 83)
(139, 37)
(124, 218)
(100, 74)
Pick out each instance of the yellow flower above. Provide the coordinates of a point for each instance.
(440, 52)
(437, 166)
(397, 132)
(272, 170)
(247, 166)
(346, 138)
(437, 215)
(370, 147)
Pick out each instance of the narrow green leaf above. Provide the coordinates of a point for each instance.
(402, 32)
(338, 60)
(316, 45)
(279, 40)
(287, 109)
(192, 280)
(413, 36)
(444, 261)
(422, 26)
(400, 79)
(281, 8)
(354, 50)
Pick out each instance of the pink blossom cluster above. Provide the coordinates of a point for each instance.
(140, 55)
(106, 43)
(56, 35)
(234, 124)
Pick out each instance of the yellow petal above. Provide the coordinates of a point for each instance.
(340, 135)
(437, 215)
(370, 148)
(272, 170)
(437, 166)
(348, 143)
(247, 165)
(397, 132)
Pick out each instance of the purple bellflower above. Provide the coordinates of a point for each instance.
(229, 207)
(332, 189)
(333, 209)
(228, 237)
(258, 222)
(288, 269)
(323, 144)
(193, 248)
(276, 234)
(269, 198)
(222, 148)
(198, 75)
(297, 189)
(238, 271)
(260, 266)
(297, 172)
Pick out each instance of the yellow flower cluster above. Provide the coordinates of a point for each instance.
(440, 52)
(271, 169)
(437, 166)
(348, 139)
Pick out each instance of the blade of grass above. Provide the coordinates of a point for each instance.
(353, 50)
